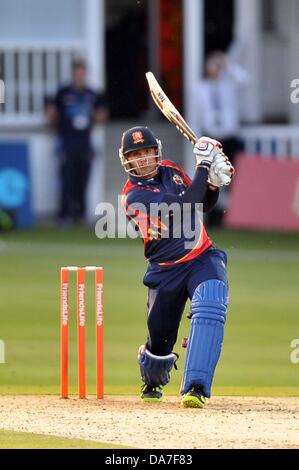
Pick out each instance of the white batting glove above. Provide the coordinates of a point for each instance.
(205, 151)
(221, 171)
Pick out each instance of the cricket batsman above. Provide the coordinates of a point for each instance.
(177, 271)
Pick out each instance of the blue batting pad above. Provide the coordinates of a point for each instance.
(155, 370)
(208, 308)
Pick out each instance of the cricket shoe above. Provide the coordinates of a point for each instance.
(151, 394)
(193, 398)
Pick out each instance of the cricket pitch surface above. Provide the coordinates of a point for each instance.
(225, 422)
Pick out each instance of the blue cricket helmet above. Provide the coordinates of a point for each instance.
(136, 138)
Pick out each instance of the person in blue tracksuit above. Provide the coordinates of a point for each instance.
(74, 111)
(183, 263)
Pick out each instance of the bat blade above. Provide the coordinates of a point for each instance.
(168, 109)
(171, 113)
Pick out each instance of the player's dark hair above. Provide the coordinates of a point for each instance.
(78, 63)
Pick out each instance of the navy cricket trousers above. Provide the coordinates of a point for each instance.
(169, 288)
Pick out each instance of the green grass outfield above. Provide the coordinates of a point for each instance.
(26, 440)
(262, 319)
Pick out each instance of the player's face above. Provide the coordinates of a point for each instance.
(214, 66)
(79, 76)
(143, 162)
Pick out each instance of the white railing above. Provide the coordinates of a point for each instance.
(278, 141)
(31, 73)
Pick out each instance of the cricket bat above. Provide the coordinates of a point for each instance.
(168, 109)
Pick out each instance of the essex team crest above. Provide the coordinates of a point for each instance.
(137, 137)
(178, 179)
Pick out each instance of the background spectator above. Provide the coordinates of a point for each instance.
(75, 109)
(216, 110)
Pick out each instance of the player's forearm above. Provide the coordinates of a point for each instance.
(196, 193)
(51, 114)
(211, 198)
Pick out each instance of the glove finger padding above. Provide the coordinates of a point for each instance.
(221, 164)
(220, 158)
(229, 169)
(219, 180)
(225, 179)
(221, 167)
(221, 171)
